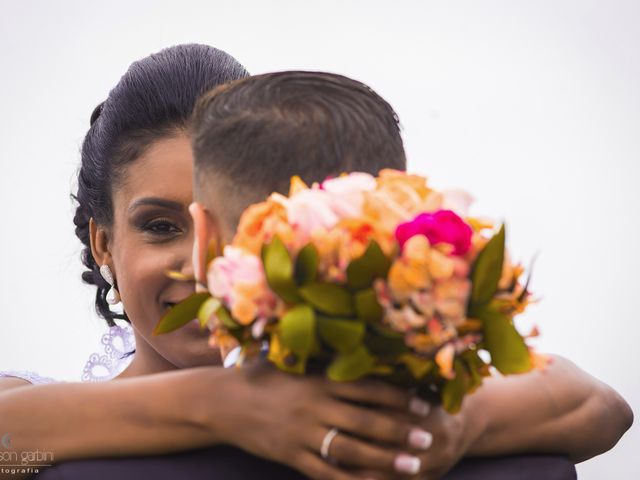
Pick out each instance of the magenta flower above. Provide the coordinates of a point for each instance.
(443, 226)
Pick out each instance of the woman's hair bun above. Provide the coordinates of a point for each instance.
(96, 113)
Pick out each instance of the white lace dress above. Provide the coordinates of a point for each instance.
(117, 345)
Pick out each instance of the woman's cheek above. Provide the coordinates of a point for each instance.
(142, 284)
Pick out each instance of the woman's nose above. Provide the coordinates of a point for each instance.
(187, 268)
(183, 258)
(187, 261)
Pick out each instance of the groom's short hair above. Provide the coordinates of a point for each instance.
(252, 135)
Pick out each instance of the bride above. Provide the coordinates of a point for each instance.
(135, 183)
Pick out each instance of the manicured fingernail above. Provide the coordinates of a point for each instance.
(420, 439)
(407, 464)
(419, 407)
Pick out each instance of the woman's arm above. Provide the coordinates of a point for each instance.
(135, 416)
(269, 413)
(7, 383)
(561, 410)
(558, 410)
(80, 420)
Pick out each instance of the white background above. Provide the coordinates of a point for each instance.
(534, 107)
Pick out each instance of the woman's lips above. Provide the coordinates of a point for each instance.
(194, 325)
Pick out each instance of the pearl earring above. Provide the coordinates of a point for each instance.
(113, 297)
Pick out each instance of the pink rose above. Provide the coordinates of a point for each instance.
(233, 268)
(322, 207)
(310, 210)
(443, 226)
(347, 192)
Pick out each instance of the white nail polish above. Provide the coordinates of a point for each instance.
(420, 439)
(407, 464)
(417, 406)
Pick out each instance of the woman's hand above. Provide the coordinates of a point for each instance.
(452, 436)
(560, 409)
(285, 418)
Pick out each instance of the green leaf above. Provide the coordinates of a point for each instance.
(298, 366)
(307, 265)
(225, 317)
(328, 298)
(207, 309)
(401, 377)
(487, 269)
(454, 390)
(283, 358)
(372, 264)
(278, 269)
(298, 330)
(367, 306)
(476, 368)
(351, 366)
(342, 335)
(418, 367)
(182, 313)
(383, 342)
(509, 353)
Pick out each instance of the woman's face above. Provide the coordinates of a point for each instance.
(152, 233)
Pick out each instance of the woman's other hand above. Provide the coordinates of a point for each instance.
(285, 417)
(452, 435)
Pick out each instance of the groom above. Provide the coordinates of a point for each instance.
(251, 136)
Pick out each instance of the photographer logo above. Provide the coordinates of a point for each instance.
(14, 462)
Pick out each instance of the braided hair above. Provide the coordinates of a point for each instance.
(152, 100)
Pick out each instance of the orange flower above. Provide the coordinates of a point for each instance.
(348, 240)
(221, 338)
(297, 185)
(260, 223)
(510, 273)
(539, 361)
(360, 233)
(397, 180)
(444, 360)
(244, 310)
(398, 198)
(452, 309)
(411, 271)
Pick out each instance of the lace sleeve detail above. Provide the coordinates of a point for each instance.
(30, 377)
(118, 347)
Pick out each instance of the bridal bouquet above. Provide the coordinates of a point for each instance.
(368, 276)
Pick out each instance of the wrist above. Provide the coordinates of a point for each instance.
(475, 418)
(214, 402)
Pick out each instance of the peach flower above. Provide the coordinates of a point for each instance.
(238, 279)
(260, 223)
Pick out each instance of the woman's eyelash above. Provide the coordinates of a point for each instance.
(161, 226)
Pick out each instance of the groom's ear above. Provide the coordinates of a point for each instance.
(207, 238)
(99, 239)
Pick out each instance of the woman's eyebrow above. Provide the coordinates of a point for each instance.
(156, 202)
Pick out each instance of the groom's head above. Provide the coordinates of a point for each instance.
(251, 136)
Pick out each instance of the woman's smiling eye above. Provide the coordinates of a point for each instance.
(161, 226)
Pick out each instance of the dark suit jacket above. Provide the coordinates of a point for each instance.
(227, 463)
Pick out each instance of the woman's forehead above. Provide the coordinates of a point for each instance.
(165, 170)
